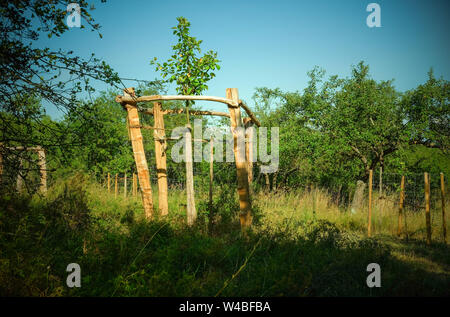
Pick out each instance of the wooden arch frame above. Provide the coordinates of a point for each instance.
(129, 101)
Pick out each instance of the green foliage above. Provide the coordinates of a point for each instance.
(338, 129)
(27, 69)
(102, 145)
(428, 113)
(189, 71)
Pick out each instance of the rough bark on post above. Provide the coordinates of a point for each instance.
(369, 226)
(237, 129)
(400, 206)
(160, 156)
(43, 171)
(444, 225)
(109, 183)
(139, 154)
(191, 210)
(427, 207)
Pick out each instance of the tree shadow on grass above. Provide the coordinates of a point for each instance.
(161, 258)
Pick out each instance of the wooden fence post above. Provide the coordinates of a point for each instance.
(19, 180)
(211, 175)
(109, 183)
(160, 155)
(400, 206)
(116, 189)
(249, 132)
(237, 129)
(369, 226)
(125, 186)
(43, 170)
(190, 194)
(139, 154)
(427, 207)
(444, 225)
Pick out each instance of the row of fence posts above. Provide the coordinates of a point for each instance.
(401, 201)
(134, 188)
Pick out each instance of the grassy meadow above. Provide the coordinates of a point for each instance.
(301, 244)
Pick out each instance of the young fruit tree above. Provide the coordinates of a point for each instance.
(190, 72)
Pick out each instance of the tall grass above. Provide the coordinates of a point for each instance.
(301, 244)
(293, 206)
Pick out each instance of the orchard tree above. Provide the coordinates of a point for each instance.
(338, 129)
(190, 72)
(186, 68)
(365, 117)
(427, 113)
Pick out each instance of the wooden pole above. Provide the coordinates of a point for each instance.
(160, 155)
(116, 189)
(43, 171)
(19, 181)
(109, 183)
(400, 206)
(139, 154)
(444, 225)
(191, 112)
(427, 207)
(191, 210)
(129, 99)
(369, 226)
(125, 186)
(237, 129)
(249, 151)
(211, 175)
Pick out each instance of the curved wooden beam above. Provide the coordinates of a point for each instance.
(192, 112)
(131, 100)
(24, 148)
(250, 113)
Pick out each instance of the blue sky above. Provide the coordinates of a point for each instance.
(272, 43)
